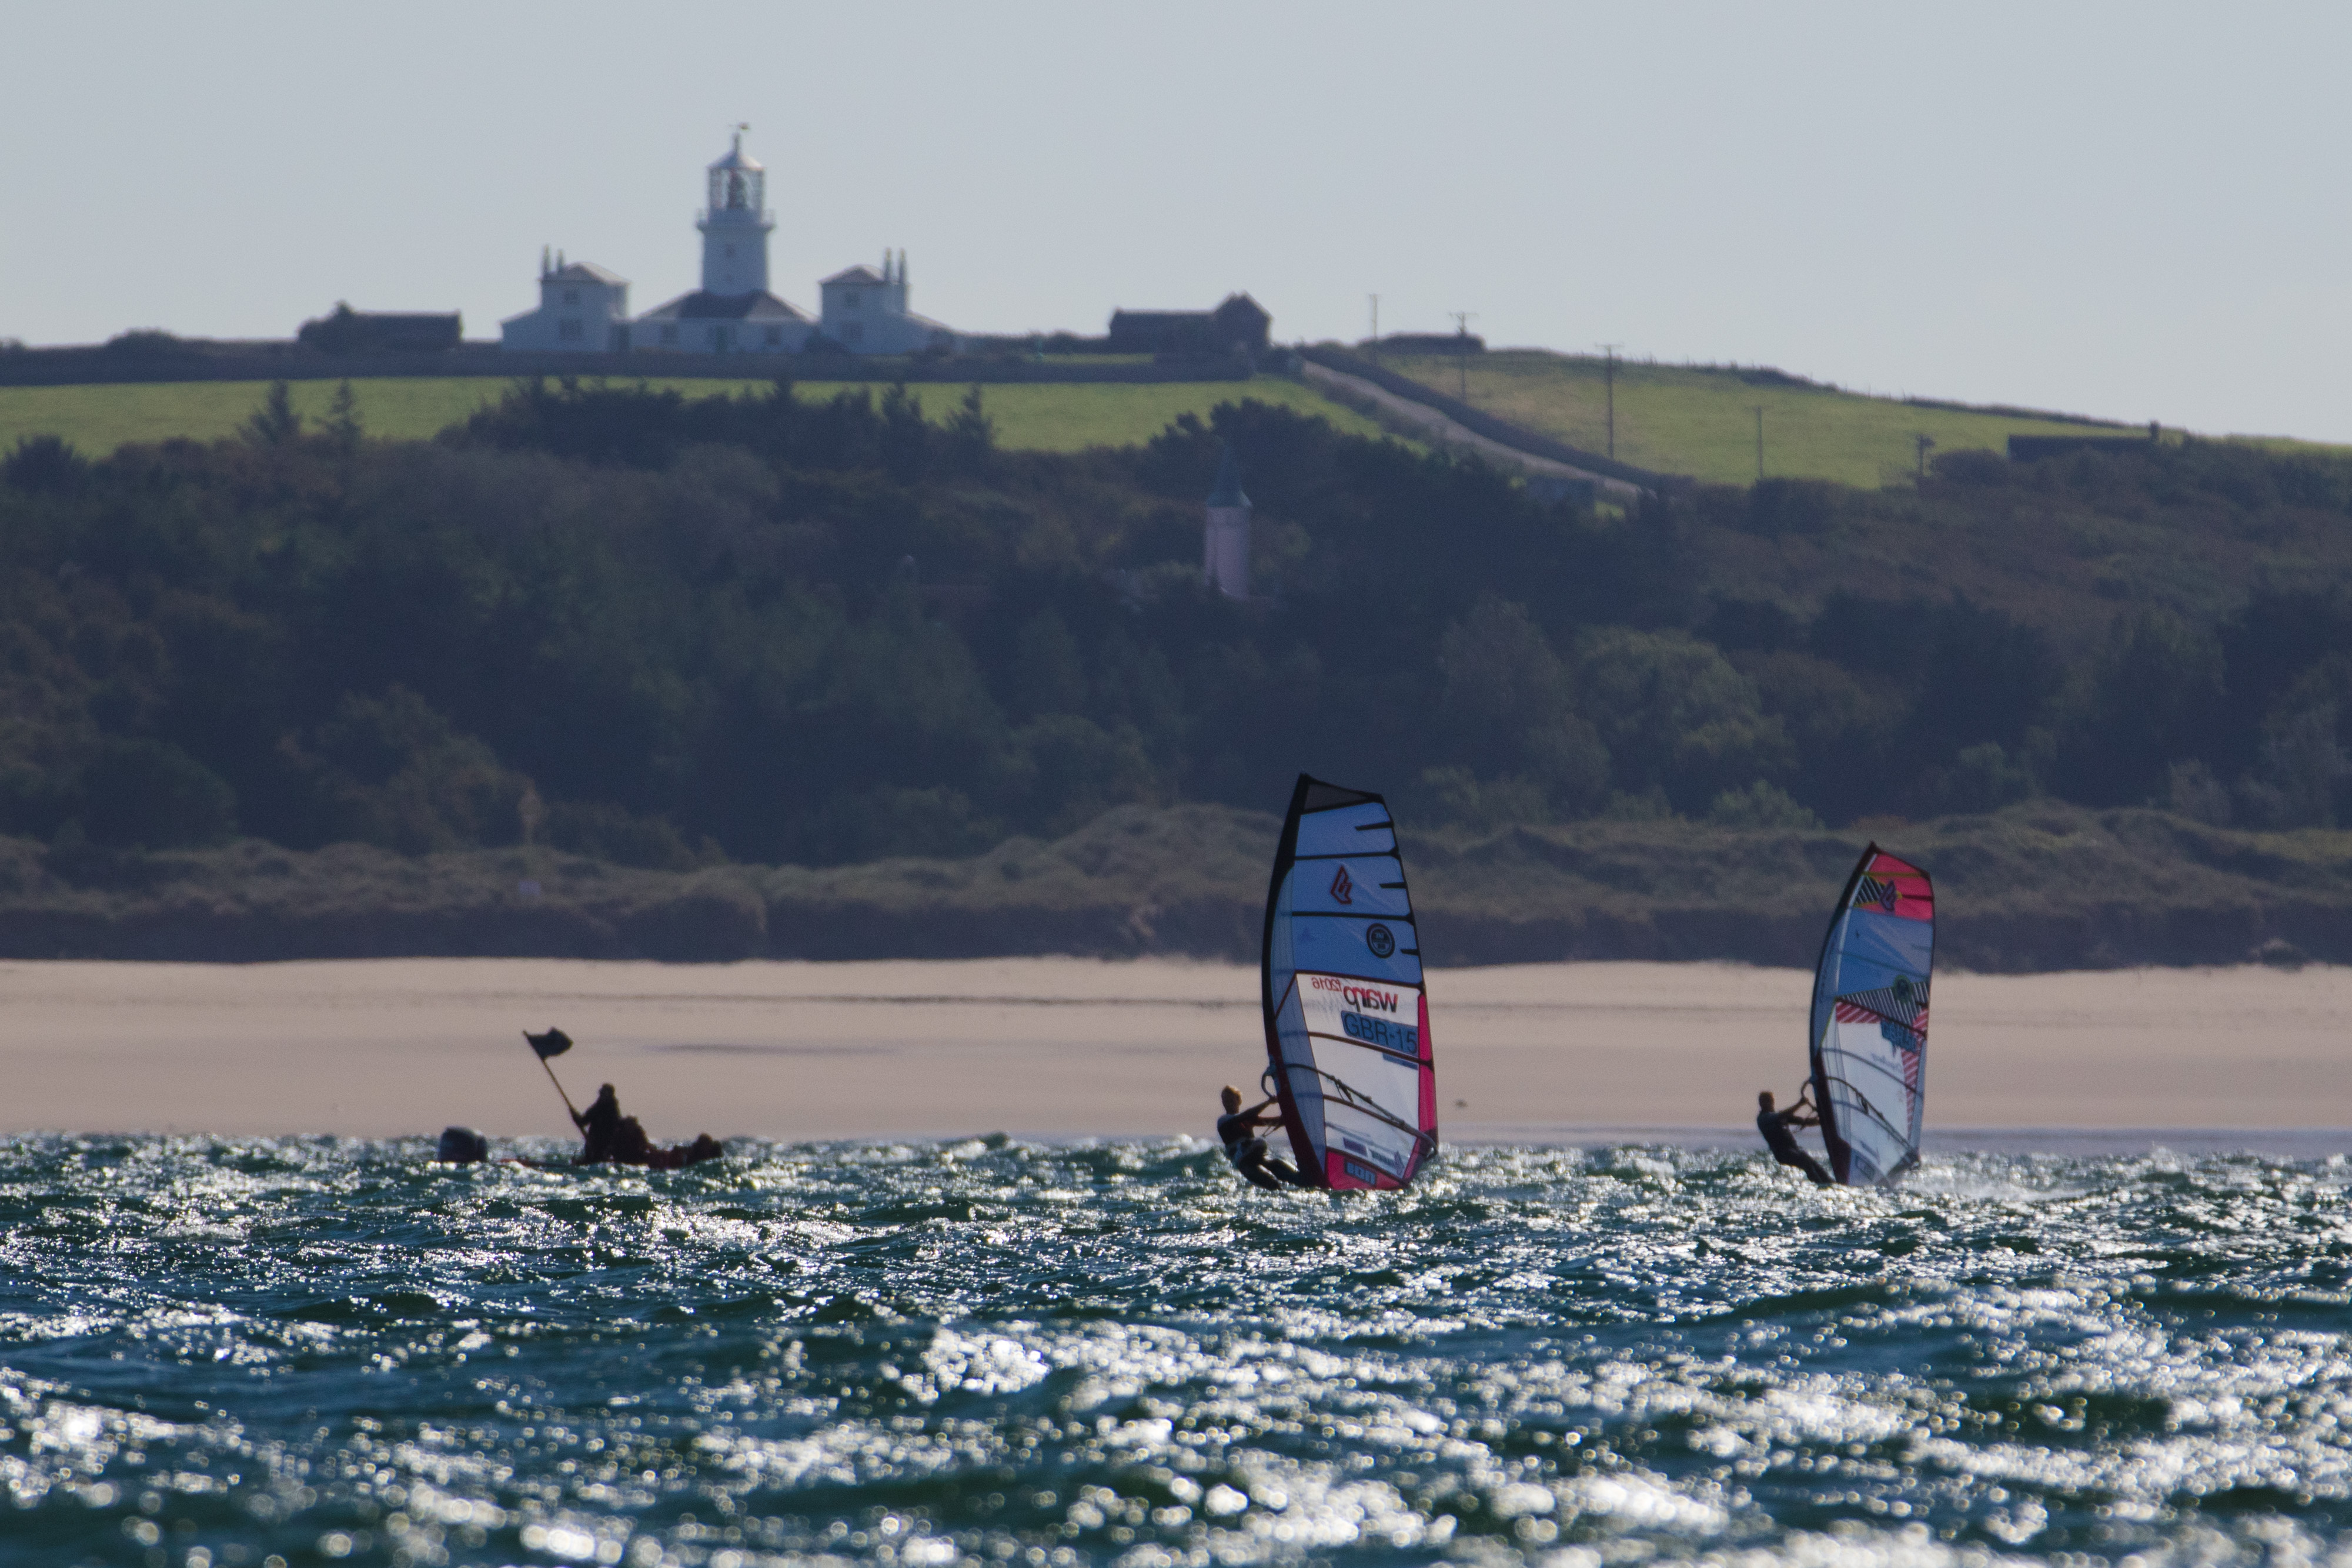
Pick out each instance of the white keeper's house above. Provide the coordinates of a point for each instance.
(865, 312)
(581, 306)
(584, 307)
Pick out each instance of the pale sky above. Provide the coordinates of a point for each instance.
(2133, 209)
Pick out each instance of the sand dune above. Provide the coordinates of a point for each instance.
(1077, 1046)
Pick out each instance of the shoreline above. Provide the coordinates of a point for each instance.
(2188, 1142)
(799, 1051)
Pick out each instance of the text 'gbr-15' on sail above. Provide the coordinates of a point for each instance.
(1347, 1021)
(1870, 1020)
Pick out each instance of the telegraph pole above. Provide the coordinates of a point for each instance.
(1609, 384)
(1923, 442)
(1461, 346)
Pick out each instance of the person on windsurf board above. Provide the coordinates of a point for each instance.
(1775, 1125)
(1238, 1130)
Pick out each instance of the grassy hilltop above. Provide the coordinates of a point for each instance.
(1701, 420)
(843, 674)
(1043, 417)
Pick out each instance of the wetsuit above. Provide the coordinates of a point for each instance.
(1237, 1130)
(1774, 1125)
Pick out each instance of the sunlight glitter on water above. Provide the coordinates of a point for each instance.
(995, 1352)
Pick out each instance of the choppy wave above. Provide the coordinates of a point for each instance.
(221, 1352)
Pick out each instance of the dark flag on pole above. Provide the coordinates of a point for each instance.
(554, 1043)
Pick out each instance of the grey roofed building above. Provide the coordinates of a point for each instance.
(707, 323)
(704, 306)
(586, 272)
(865, 312)
(344, 330)
(1239, 323)
(582, 309)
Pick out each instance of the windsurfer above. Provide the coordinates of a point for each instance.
(1237, 1130)
(1775, 1125)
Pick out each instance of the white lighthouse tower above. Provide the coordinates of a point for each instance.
(735, 225)
(733, 312)
(1226, 542)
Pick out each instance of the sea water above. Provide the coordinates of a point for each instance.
(248, 1352)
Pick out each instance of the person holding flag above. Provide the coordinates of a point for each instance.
(607, 1136)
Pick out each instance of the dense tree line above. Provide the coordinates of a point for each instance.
(660, 629)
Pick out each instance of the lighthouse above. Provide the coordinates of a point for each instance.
(1226, 542)
(736, 224)
(733, 312)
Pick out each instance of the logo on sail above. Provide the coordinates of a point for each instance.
(1343, 886)
(1380, 939)
(1872, 891)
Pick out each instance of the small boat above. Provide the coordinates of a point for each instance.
(465, 1147)
(1869, 1026)
(1347, 1020)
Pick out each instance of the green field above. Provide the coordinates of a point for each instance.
(1033, 417)
(1684, 419)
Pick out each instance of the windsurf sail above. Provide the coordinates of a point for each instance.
(1347, 1021)
(1870, 1020)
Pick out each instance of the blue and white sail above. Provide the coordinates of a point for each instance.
(1347, 1020)
(1870, 1020)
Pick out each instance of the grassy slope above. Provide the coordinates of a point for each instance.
(1680, 419)
(1036, 418)
(2037, 887)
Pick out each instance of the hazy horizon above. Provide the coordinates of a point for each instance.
(2113, 210)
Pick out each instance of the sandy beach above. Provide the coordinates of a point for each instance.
(1078, 1046)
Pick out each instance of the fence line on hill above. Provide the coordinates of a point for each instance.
(287, 361)
(1502, 431)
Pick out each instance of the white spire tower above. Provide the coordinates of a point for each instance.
(1225, 541)
(735, 224)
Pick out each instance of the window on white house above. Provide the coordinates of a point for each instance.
(571, 297)
(849, 299)
(853, 333)
(776, 336)
(569, 331)
(718, 336)
(729, 252)
(669, 335)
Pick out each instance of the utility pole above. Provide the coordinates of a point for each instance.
(1376, 329)
(1923, 442)
(1760, 440)
(1461, 346)
(1608, 383)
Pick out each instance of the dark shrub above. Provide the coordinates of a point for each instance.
(150, 794)
(44, 464)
